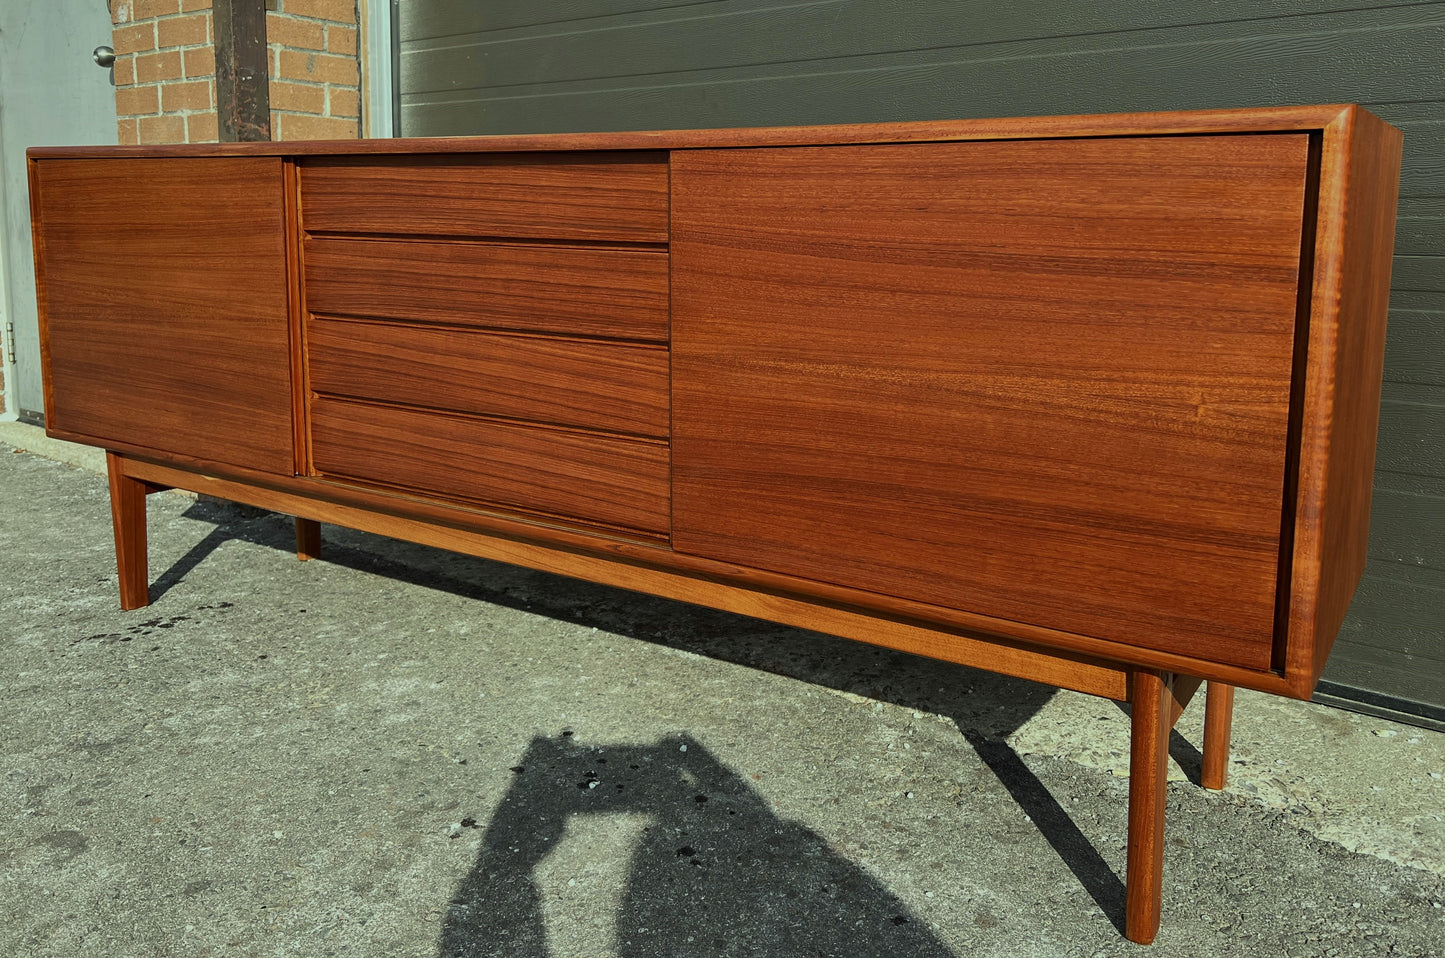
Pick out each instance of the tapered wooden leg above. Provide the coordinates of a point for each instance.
(128, 514)
(1152, 705)
(1218, 715)
(308, 539)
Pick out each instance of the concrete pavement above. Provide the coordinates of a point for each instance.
(396, 751)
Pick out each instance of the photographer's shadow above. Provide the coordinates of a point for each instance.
(986, 708)
(714, 871)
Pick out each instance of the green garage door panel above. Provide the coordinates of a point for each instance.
(525, 65)
(522, 66)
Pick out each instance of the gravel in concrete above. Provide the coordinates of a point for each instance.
(395, 751)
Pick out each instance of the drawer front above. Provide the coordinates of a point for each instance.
(613, 293)
(620, 483)
(612, 387)
(618, 197)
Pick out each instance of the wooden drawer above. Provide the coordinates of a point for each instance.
(614, 293)
(615, 482)
(593, 385)
(618, 197)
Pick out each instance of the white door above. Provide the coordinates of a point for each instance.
(52, 93)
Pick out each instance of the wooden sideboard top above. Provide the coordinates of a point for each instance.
(1182, 122)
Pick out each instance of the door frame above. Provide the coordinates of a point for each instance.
(380, 68)
(9, 397)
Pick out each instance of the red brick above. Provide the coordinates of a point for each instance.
(158, 66)
(340, 10)
(343, 101)
(124, 71)
(298, 97)
(316, 67)
(136, 38)
(142, 9)
(178, 97)
(167, 128)
(182, 31)
(341, 40)
(200, 62)
(137, 100)
(298, 126)
(120, 12)
(202, 128)
(294, 32)
(188, 5)
(126, 131)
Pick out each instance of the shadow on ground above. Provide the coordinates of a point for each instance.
(710, 835)
(713, 871)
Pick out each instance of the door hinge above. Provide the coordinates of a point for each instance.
(7, 354)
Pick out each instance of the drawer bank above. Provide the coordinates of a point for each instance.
(1086, 400)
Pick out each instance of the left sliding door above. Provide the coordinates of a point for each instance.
(163, 306)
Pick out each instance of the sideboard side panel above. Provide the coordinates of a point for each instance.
(166, 323)
(1047, 381)
(1359, 194)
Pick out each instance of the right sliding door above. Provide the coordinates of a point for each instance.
(1043, 381)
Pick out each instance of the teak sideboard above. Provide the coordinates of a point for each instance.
(1087, 400)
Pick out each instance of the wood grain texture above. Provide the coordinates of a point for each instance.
(1359, 183)
(1218, 719)
(566, 196)
(128, 519)
(166, 306)
(1158, 123)
(630, 564)
(296, 321)
(1150, 701)
(1020, 405)
(1047, 382)
(567, 539)
(613, 293)
(570, 475)
(308, 539)
(950, 616)
(585, 384)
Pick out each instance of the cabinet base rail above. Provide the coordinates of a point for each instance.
(1157, 698)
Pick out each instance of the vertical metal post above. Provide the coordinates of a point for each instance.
(243, 100)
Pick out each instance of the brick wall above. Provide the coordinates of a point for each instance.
(165, 70)
(315, 83)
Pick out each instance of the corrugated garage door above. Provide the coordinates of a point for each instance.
(512, 66)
